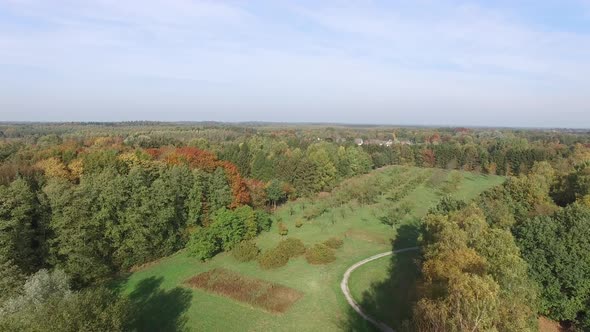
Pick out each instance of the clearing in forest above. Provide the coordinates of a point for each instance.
(256, 292)
(371, 214)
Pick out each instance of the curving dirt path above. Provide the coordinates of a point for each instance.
(344, 286)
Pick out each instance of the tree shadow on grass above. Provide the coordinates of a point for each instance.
(157, 309)
(391, 300)
(407, 235)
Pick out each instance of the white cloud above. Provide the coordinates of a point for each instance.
(467, 36)
(448, 63)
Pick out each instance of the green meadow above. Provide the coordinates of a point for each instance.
(168, 304)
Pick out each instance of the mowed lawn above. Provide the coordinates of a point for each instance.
(170, 305)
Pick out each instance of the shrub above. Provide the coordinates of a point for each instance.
(298, 223)
(263, 220)
(245, 251)
(291, 247)
(320, 254)
(229, 226)
(283, 230)
(203, 244)
(272, 259)
(334, 243)
(315, 211)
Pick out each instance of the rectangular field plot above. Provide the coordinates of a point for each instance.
(256, 292)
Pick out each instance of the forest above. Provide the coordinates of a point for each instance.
(82, 205)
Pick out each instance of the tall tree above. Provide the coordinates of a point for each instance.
(21, 224)
(557, 249)
(194, 203)
(219, 191)
(275, 192)
(79, 245)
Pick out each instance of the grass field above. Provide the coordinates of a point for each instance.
(172, 306)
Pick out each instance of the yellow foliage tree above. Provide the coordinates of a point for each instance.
(76, 168)
(54, 168)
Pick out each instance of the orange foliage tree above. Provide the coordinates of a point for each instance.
(207, 161)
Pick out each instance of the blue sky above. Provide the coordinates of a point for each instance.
(508, 63)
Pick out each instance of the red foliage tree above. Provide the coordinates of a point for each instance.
(238, 185)
(154, 153)
(428, 158)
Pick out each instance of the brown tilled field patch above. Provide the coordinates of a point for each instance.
(547, 325)
(256, 292)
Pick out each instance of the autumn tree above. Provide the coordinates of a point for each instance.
(473, 276)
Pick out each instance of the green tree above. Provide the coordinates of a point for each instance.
(11, 279)
(219, 192)
(169, 194)
(194, 202)
(249, 218)
(572, 186)
(325, 176)
(275, 192)
(262, 167)
(305, 177)
(204, 243)
(473, 276)
(48, 304)
(229, 228)
(360, 162)
(20, 224)
(130, 233)
(263, 221)
(557, 249)
(79, 245)
(243, 159)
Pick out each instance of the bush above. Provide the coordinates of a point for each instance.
(203, 244)
(298, 223)
(230, 227)
(291, 247)
(320, 254)
(245, 251)
(263, 220)
(315, 211)
(283, 230)
(334, 243)
(273, 259)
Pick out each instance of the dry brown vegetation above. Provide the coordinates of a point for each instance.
(256, 292)
(548, 325)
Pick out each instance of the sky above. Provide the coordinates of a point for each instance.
(422, 62)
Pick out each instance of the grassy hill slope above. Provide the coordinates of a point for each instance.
(169, 305)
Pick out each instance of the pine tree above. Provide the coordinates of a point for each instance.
(194, 203)
(219, 191)
(18, 218)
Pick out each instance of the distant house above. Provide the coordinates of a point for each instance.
(360, 141)
(379, 142)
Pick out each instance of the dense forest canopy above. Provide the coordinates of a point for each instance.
(81, 204)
